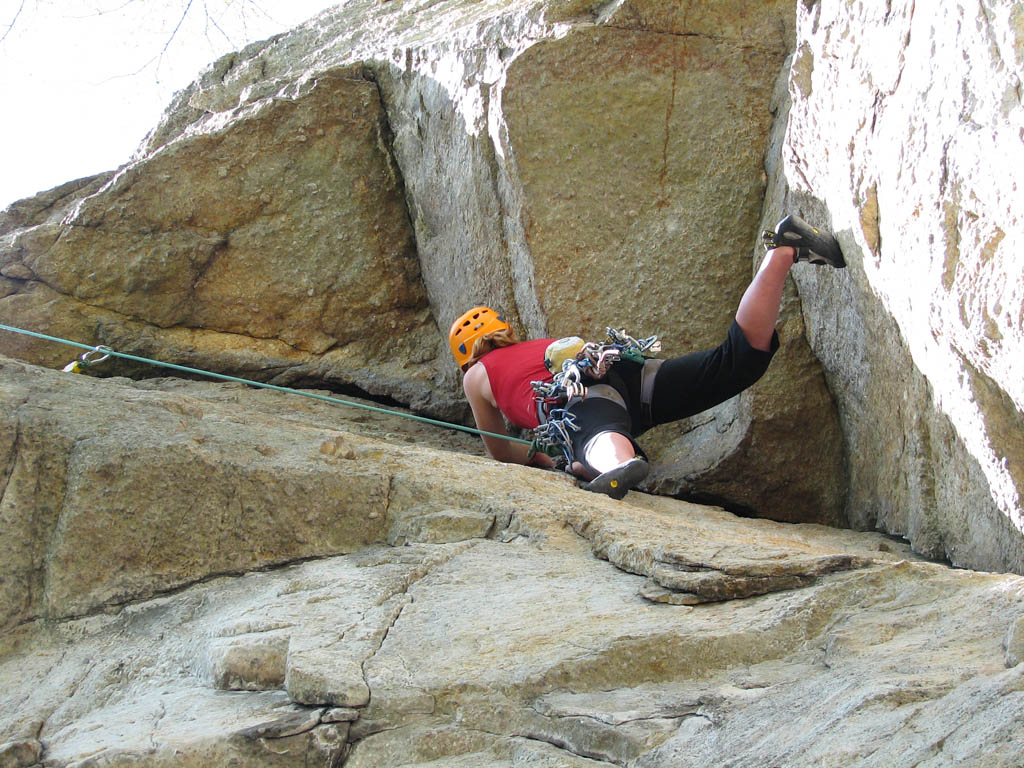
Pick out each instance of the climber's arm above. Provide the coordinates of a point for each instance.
(489, 419)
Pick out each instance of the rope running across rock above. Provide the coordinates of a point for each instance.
(86, 360)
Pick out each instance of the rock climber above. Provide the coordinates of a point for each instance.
(500, 373)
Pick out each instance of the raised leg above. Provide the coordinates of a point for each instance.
(759, 308)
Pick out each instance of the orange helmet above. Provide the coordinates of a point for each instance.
(471, 326)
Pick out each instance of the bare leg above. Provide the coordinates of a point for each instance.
(614, 468)
(605, 452)
(759, 307)
(609, 451)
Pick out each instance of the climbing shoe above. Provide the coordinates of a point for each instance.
(617, 482)
(811, 245)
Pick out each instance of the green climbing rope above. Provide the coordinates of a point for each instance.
(262, 385)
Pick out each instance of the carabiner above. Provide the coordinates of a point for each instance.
(85, 359)
(97, 350)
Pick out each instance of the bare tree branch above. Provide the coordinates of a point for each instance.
(106, 12)
(210, 21)
(13, 21)
(243, 7)
(188, 7)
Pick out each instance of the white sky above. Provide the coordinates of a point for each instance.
(83, 81)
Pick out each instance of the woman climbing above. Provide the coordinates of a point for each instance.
(503, 375)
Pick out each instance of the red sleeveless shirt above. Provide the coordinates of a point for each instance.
(510, 371)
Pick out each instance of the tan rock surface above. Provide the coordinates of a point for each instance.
(196, 574)
(277, 242)
(201, 487)
(576, 630)
(317, 209)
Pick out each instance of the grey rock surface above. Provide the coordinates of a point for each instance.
(316, 209)
(197, 574)
(913, 156)
(575, 630)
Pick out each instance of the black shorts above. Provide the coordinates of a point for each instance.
(683, 386)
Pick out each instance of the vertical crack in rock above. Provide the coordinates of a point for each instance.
(51, 535)
(389, 495)
(386, 144)
(404, 599)
(508, 193)
(508, 198)
(13, 458)
(386, 139)
(670, 111)
(218, 244)
(663, 179)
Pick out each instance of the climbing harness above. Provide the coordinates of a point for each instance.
(97, 354)
(574, 363)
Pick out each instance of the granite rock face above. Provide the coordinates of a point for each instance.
(568, 222)
(316, 209)
(519, 621)
(278, 242)
(914, 155)
(176, 482)
(196, 574)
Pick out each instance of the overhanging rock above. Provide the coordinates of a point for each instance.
(317, 208)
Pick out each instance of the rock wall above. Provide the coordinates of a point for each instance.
(338, 597)
(318, 208)
(904, 135)
(277, 243)
(203, 574)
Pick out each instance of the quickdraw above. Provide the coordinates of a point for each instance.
(590, 361)
(553, 436)
(86, 359)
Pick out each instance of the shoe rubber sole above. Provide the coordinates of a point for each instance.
(812, 245)
(617, 482)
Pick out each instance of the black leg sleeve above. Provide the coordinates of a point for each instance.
(693, 383)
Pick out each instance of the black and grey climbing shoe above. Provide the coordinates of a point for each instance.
(812, 245)
(617, 482)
